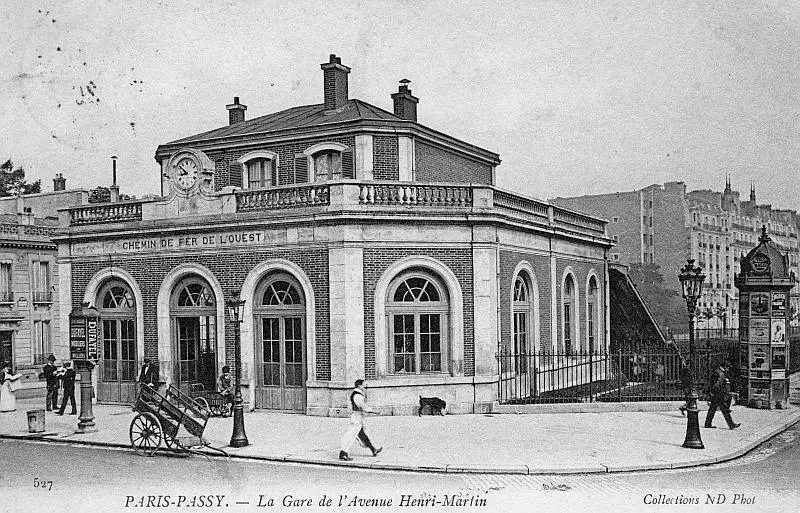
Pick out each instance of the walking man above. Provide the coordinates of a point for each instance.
(68, 383)
(359, 407)
(51, 403)
(720, 391)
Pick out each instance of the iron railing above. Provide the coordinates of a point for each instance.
(550, 377)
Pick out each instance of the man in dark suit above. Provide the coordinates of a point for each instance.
(147, 376)
(51, 403)
(720, 393)
(68, 384)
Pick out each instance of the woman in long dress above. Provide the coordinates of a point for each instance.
(8, 400)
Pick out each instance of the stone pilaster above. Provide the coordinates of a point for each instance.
(346, 275)
(485, 297)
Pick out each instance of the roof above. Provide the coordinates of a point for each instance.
(311, 117)
(305, 116)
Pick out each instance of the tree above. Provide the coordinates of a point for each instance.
(666, 305)
(102, 194)
(12, 181)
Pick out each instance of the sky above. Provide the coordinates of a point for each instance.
(576, 97)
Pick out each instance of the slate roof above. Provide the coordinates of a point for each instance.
(311, 117)
(305, 116)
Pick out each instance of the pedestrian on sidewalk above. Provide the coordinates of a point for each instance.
(720, 392)
(8, 380)
(48, 373)
(359, 407)
(68, 384)
(225, 389)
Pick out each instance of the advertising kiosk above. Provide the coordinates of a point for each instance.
(764, 284)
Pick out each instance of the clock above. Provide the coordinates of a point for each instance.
(186, 171)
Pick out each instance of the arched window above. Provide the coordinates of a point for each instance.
(522, 321)
(417, 310)
(592, 318)
(194, 314)
(260, 173)
(117, 309)
(259, 169)
(327, 165)
(568, 314)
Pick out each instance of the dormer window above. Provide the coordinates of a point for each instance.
(259, 169)
(323, 162)
(327, 165)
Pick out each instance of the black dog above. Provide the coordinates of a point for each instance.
(435, 405)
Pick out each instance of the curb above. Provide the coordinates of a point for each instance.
(446, 468)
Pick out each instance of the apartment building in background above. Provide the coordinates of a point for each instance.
(666, 224)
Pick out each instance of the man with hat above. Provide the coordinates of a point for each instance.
(52, 383)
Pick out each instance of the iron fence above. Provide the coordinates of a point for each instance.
(551, 377)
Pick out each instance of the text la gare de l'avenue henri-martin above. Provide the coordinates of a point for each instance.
(290, 501)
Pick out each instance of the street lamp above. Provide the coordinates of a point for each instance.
(236, 316)
(691, 279)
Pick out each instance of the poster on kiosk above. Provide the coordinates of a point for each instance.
(83, 333)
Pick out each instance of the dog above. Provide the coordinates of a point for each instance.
(435, 405)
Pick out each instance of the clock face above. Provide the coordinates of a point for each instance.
(186, 172)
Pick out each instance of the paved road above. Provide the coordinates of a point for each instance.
(118, 480)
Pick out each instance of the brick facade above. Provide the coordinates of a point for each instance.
(377, 260)
(509, 260)
(385, 163)
(434, 164)
(227, 173)
(230, 269)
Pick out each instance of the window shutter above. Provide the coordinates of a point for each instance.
(300, 168)
(273, 172)
(348, 167)
(236, 175)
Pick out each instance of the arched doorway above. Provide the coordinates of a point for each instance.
(280, 343)
(193, 314)
(117, 308)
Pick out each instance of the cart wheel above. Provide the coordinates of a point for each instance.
(146, 433)
(203, 404)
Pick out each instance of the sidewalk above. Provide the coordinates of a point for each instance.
(491, 443)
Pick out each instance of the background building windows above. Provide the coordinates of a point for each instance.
(41, 282)
(42, 345)
(6, 295)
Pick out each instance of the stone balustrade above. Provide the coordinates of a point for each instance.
(105, 213)
(282, 197)
(354, 196)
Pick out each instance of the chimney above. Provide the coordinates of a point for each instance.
(59, 183)
(114, 189)
(235, 111)
(405, 104)
(335, 81)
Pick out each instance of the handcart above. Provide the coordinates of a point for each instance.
(212, 401)
(160, 416)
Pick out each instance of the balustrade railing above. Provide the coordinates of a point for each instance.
(422, 195)
(521, 205)
(106, 213)
(279, 198)
(578, 220)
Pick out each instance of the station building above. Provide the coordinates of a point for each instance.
(365, 245)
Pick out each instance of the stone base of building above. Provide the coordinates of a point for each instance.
(399, 396)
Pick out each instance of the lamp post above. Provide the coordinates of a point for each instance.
(236, 315)
(691, 279)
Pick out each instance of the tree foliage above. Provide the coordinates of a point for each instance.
(666, 305)
(102, 194)
(12, 181)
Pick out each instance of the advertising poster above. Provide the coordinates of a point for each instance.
(778, 331)
(778, 304)
(759, 331)
(759, 390)
(743, 334)
(778, 358)
(759, 304)
(759, 359)
(744, 303)
(744, 356)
